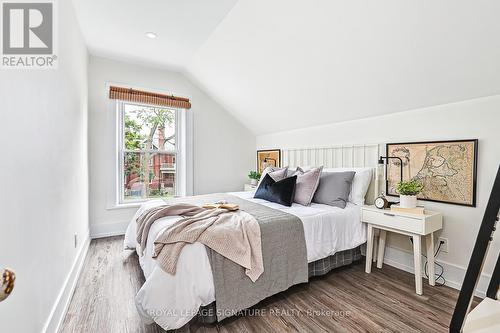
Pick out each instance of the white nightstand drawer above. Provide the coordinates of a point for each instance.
(391, 220)
(249, 187)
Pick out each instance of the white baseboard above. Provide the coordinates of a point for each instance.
(453, 274)
(62, 302)
(108, 229)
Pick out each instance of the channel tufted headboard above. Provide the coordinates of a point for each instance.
(340, 156)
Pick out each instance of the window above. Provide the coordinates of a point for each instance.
(149, 151)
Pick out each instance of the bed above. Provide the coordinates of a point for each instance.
(332, 237)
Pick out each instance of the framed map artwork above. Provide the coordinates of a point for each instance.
(447, 169)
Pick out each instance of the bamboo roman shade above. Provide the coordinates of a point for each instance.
(132, 95)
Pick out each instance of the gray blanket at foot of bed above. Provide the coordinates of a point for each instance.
(320, 267)
(283, 251)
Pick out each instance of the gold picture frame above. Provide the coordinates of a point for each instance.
(270, 157)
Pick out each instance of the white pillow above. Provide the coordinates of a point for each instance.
(360, 183)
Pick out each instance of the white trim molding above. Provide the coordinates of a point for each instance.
(108, 229)
(61, 304)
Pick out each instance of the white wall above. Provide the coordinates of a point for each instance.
(223, 149)
(477, 118)
(345, 60)
(44, 188)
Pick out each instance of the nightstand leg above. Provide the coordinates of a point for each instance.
(417, 258)
(369, 249)
(375, 246)
(381, 248)
(429, 242)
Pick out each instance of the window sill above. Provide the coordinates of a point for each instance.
(132, 204)
(126, 205)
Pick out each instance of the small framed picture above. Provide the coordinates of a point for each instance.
(267, 158)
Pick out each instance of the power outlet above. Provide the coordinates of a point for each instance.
(444, 244)
(76, 240)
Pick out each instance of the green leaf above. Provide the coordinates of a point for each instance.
(412, 187)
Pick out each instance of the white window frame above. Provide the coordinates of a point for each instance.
(183, 154)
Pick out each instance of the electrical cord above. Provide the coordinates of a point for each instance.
(439, 276)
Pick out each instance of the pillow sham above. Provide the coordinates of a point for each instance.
(360, 183)
(307, 183)
(334, 188)
(281, 192)
(276, 174)
(291, 171)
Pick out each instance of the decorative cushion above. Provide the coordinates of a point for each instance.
(307, 183)
(281, 192)
(291, 171)
(334, 188)
(360, 183)
(276, 174)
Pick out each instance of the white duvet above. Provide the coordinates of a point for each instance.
(173, 300)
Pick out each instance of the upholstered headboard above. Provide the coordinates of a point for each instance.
(341, 156)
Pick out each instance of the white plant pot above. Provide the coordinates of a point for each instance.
(407, 201)
(253, 181)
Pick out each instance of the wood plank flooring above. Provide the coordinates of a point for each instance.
(346, 300)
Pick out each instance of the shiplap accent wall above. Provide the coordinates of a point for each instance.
(341, 156)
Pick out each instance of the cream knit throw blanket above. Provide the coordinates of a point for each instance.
(146, 219)
(235, 235)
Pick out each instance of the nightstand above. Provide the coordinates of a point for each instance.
(249, 187)
(412, 225)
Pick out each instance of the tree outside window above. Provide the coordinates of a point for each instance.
(149, 151)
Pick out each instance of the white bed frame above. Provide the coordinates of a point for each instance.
(340, 156)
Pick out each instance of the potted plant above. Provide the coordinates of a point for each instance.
(254, 177)
(408, 193)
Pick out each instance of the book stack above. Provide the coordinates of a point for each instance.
(417, 210)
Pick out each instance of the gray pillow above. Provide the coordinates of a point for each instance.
(290, 172)
(276, 173)
(307, 183)
(334, 188)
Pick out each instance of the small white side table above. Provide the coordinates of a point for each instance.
(412, 225)
(249, 187)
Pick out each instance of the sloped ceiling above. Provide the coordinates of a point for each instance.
(285, 64)
(116, 28)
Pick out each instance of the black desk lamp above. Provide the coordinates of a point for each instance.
(381, 161)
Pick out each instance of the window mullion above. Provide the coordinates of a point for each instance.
(124, 156)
